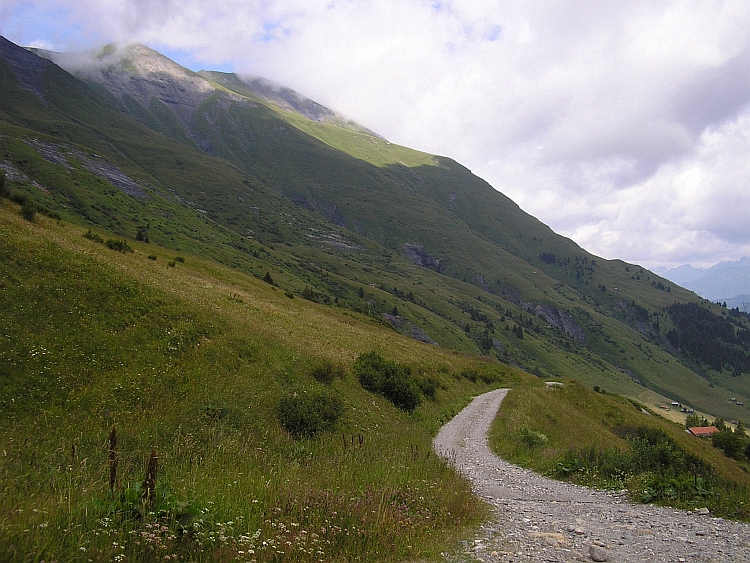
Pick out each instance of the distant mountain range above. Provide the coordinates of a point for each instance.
(725, 281)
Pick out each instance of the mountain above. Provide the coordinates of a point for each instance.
(724, 281)
(261, 179)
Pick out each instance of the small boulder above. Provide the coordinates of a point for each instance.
(598, 553)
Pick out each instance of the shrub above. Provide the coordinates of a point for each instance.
(118, 245)
(470, 374)
(4, 191)
(310, 294)
(93, 237)
(428, 385)
(390, 379)
(532, 438)
(28, 210)
(730, 443)
(326, 371)
(306, 414)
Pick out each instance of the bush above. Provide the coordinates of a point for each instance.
(653, 463)
(306, 414)
(532, 438)
(390, 379)
(28, 210)
(730, 443)
(429, 386)
(118, 245)
(470, 374)
(326, 371)
(93, 237)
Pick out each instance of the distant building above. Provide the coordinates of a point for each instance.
(703, 431)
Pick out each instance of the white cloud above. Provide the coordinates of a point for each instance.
(623, 125)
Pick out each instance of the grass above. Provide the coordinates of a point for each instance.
(192, 361)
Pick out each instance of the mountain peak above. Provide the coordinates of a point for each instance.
(285, 99)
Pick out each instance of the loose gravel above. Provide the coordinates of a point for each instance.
(539, 519)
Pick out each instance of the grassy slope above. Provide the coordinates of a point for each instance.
(191, 359)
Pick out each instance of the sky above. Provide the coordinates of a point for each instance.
(622, 125)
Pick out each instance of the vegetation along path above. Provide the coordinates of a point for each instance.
(540, 519)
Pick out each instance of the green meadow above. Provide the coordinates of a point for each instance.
(190, 360)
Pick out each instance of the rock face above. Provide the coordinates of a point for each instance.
(405, 327)
(61, 154)
(561, 320)
(140, 73)
(417, 255)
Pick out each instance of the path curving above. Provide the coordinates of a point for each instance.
(540, 519)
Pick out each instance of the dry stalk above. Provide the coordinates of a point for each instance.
(113, 459)
(149, 483)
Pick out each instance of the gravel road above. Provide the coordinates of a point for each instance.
(539, 519)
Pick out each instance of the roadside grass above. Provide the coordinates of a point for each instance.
(607, 441)
(190, 362)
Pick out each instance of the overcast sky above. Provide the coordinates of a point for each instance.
(623, 125)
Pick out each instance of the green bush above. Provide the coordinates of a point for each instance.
(326, 371)
(654, 464)
(390, 379)
(118, 245)
(308, 413)
(429, 386)
(470, 374)
(93, 237)
(731, 443)
(28, 210)
(532, 438)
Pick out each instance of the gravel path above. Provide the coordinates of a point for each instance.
(539, 519)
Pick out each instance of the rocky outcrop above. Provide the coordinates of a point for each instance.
(61, 154)
(561, 320)
(141, 73)
(405, 327)
(417, 255)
